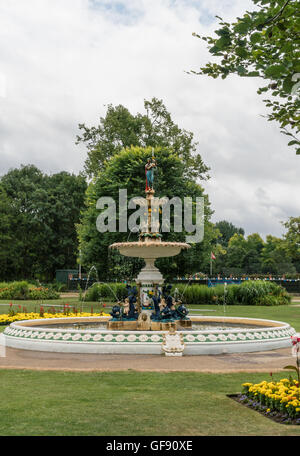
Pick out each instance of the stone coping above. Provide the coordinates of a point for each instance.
(194, 318)
(149, 244)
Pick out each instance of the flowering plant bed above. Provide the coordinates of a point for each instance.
(6, 319)
(277, 400)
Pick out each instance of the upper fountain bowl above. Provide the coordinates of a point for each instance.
(149, 249)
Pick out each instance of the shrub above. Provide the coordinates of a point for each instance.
(256, 292)
(24, 291)
(110, 291)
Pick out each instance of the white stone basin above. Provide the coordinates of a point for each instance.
(150, 250)
(43, 335)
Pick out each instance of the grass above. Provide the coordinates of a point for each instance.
(129, 403)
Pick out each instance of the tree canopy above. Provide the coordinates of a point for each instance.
(120, 129)
(38, 231)
(227, 230)
(126, 170)
(263, 43)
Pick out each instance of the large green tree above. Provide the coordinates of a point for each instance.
(125, 170)
(227, 230)
(263, 43)
(275, 257)
(155, 128)
(43, 211)
(8, 242)
(292, 240)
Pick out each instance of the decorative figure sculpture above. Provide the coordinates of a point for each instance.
(182, 312)
(149, 171)
(156, 302)
(116, 312)
(126, 307)
(132, 293)
(173, 343)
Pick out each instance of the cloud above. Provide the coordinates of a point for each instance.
(63, 61)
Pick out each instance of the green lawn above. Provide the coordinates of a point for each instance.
(137, 403)
(129, 403)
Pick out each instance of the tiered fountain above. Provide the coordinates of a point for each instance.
(153, 323)
(151, 295)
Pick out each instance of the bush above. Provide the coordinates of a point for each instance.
(110, 291)
(25, 291)
(260, 292)
(256, 292)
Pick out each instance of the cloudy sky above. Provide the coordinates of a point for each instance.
(63, 61)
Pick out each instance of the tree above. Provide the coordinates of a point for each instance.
(120, 129)
(263, 43)
(8, 244)
(45, 210)
(227, 230)
(292, 240)
(275, 257)
(236, 253)
(251, 261)
(125, 170)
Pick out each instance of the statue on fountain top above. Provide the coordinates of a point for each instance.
(149, 171)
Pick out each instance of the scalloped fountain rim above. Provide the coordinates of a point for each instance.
(30, 335)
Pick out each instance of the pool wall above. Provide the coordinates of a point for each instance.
(30, 335)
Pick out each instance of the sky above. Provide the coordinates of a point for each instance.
(63, 61)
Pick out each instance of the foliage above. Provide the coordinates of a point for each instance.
(108, 291)
(126, 170)
(25, 291)
(227, 230)
(120, 129)
(8, 245)
(292, 240)
(260, 292)
(38, 231)
(7, 319)
(264, 293)
(252, 255)
(263, 43)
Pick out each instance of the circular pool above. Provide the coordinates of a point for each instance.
(208, 335)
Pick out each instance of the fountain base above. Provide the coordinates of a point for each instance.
(50, 335)
(146, 324)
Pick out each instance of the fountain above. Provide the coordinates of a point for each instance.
(151, 320)
(151, 295)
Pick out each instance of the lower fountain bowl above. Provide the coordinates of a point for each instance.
(65, 335)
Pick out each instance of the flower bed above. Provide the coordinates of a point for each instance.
(277, 400)
(6, 319)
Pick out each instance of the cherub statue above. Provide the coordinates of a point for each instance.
(125, 305)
